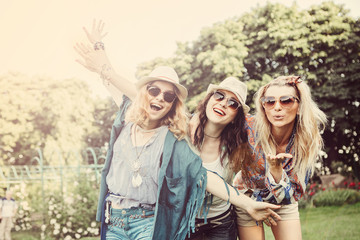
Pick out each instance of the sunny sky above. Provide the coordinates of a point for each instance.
(37, 36)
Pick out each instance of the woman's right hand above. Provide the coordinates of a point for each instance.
(96, 34)
(93, 55)
(93, 60)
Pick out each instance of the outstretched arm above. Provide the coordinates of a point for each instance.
(257, 210)
(93, 57)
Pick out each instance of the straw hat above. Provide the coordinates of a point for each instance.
(234, 85)
(164, 73)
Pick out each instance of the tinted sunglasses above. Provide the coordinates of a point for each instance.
(230, 103)
(285, 101)
(155, 91)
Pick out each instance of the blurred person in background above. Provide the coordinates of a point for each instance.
(8, 209)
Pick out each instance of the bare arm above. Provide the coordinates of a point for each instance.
(93, 57)
(257, 210)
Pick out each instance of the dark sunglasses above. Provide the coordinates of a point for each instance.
(231, 103)
(285, 101)
(155, 91)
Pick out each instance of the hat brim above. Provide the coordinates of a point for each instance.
(182, 90)
(213, 87)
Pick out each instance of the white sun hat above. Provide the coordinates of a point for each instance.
(164, 73)
(234, 85)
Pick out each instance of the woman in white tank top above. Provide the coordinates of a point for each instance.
(217, 129)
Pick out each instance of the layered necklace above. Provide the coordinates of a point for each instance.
(136, 164)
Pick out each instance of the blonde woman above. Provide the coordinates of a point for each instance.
(285, 140)
(152, 183)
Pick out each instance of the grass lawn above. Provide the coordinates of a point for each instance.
(316, 223)
(328, 223)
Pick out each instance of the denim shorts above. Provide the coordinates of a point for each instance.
(222, 227)
(133, 223)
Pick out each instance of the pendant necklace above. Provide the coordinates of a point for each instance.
(136, 165)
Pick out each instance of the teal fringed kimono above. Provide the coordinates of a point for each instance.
(181, 186)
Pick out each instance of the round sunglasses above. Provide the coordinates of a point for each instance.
(155, 91)
(285, 101)
(230, 103)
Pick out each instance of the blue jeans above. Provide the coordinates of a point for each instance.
(222, 227)
(134, 224)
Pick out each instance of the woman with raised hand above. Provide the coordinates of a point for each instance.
(285, 139)
(152, 183)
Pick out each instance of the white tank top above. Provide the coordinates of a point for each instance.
(218, 205)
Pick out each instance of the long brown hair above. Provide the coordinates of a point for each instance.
(232, 137)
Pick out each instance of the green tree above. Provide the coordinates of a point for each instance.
(102, 118)
(38, 112)
(321, 44)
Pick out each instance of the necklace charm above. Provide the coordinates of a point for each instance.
(136, 180)
(136, 166)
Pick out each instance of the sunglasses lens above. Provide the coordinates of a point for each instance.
(268, 102)
(287, 101)
(233, 104)
(169, 97)
(218, 96)
(154, 91)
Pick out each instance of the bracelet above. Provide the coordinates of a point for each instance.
(104, 74)
(99, 45)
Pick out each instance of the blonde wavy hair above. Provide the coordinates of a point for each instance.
(176, 119)
(310, 122)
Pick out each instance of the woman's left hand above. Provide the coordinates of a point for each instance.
(275, 164)
(261, 211)
(276, 161)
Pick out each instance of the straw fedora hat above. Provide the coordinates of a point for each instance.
(234, 85)
(164, 73)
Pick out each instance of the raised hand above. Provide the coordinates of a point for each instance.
(96, 34)
(93, 56)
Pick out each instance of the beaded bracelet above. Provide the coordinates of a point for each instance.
(104, 74)
(99, 45)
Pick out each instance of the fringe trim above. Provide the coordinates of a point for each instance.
(196, 203)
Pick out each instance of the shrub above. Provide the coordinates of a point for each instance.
(23, 220)
(310, 193)
(336, 197)
(71, 214)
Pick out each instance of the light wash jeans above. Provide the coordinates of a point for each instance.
(134, 224)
